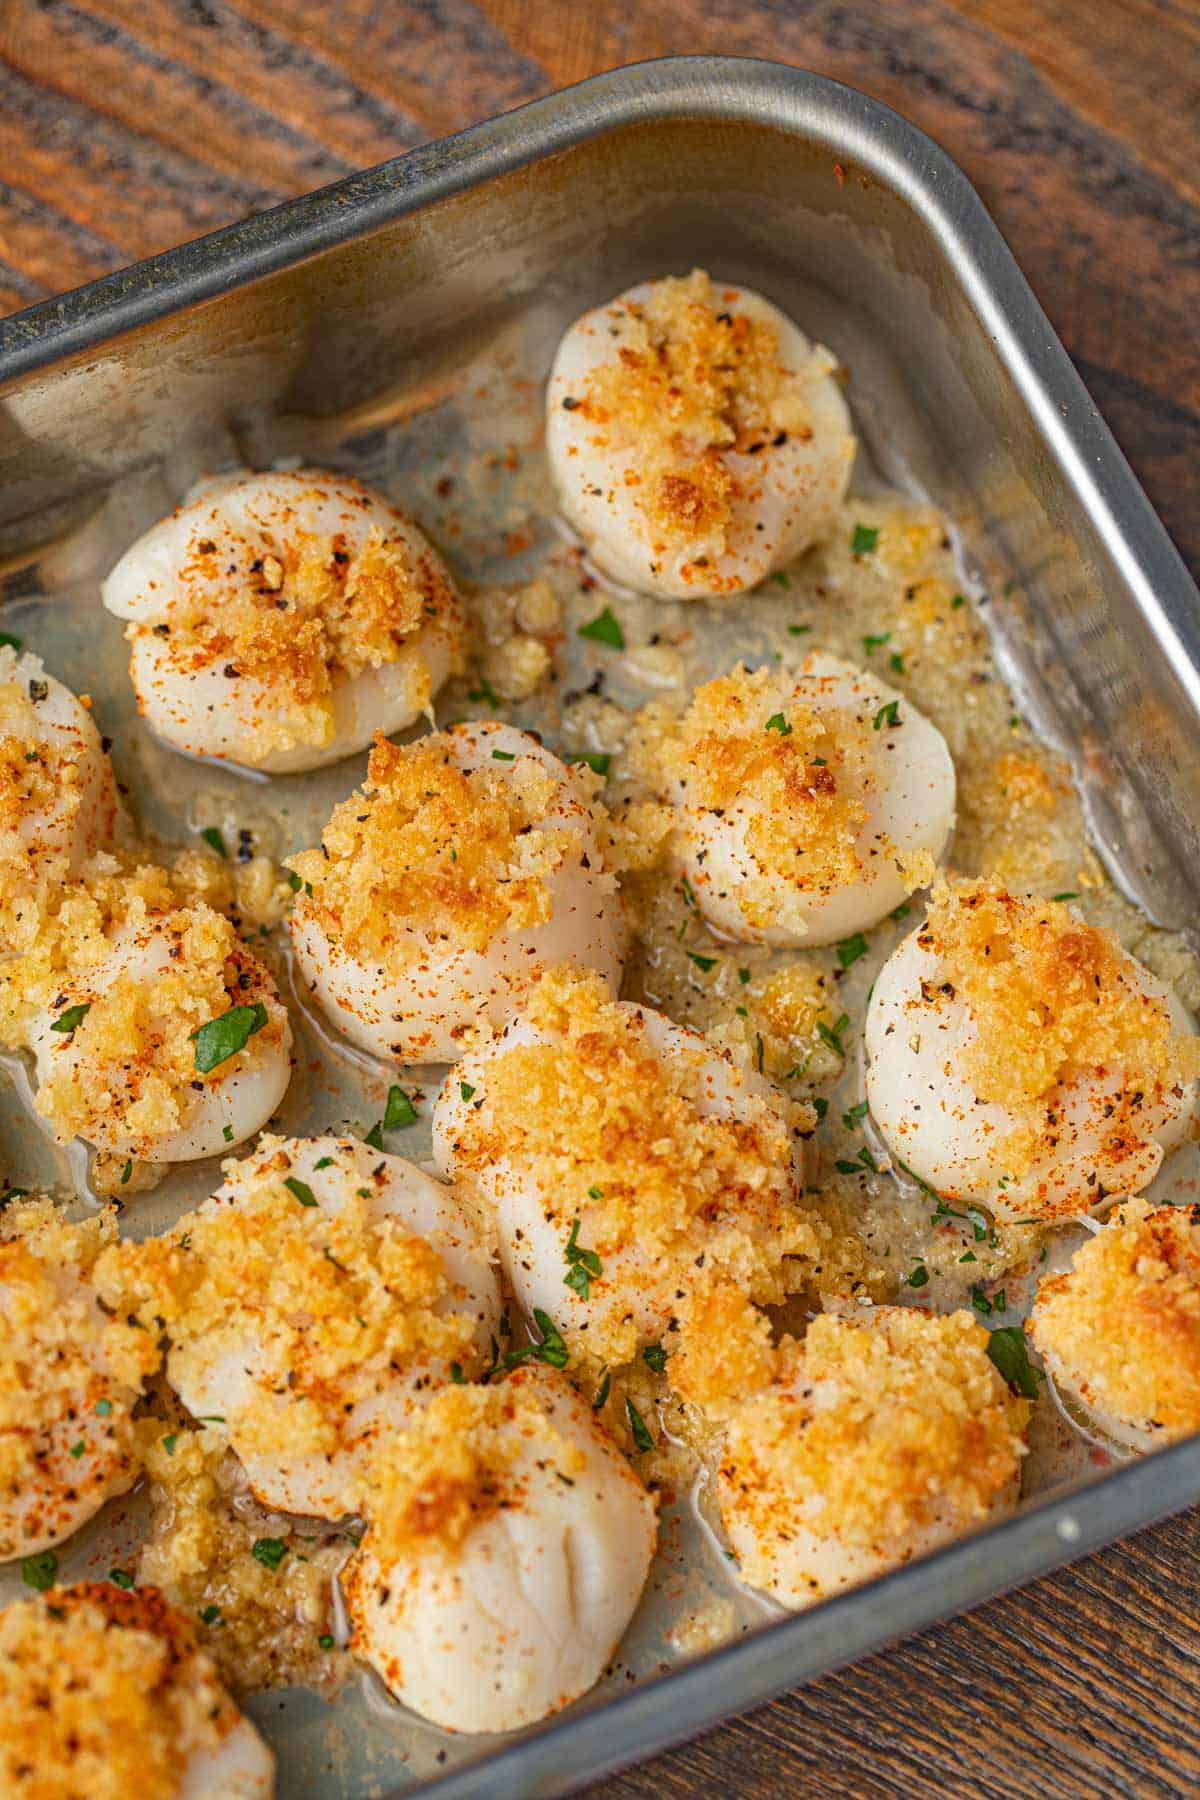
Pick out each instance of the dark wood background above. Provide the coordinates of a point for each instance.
(129, 125)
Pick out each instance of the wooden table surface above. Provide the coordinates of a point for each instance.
(129, 125)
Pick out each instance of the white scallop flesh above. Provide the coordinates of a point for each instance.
(915, 1038)
(908, 794)
(436, 993)
(228, 1109)
(163, 581)
(83, 1457)
(526, 1617)
(634, 1285)
(54, 841)
(807, 1565)
(786, 494)
(240, 1767)
(312, 1484)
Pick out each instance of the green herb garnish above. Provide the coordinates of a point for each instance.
(655, 1357)
(850, 949)
(778, 723)
(865, 538)
(604, 629)
(220, 1038)
(213, 838)
(641, 1436)
(583, 1265)
(40, 1571)
(465, 1089)
(120, 1578)
(270, 1552)
(301, 1189)
(74, 1015)
(887, 715)
(399, 1113)
(599, 760)
(1009, 1353)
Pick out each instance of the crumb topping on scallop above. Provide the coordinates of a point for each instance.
(334, 1300)
(104, 1693)
(461, 853)
(1122, 1325)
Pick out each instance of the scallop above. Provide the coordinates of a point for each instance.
(1119, 1330)
(467, 864)
(70, 1375)
(614, 1153)
(58, 799)
(279, 621)
(883, 1436)
(106, 1692)
(174, 1046)
(1019, 1059)
(330, 1291)
(810, 802)
(697, 439)
(502, 1597)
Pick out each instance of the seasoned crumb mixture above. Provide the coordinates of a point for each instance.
(462, 1461)
(1124, 1322)
(330, 1302)
(694, 377)
(875, 1427)
(103, 1694)
(457, 855)
(68, 1371)
(129, 1064)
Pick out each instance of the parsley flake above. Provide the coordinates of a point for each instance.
(210, 1614)
(215, 841)
(399, 1113)
(865, 538)
(641, 1436)
(655, 1357)
(918, 1276)
(220, 1038)
(875, 640)
(40, 1571)
(9, 642)
(799, 630)
(599, 760)
(504, 756)
(301, 1189)
(604, 629)
(887, 715)
(74, 1015)
(850, 949)
(120, 1578)
(325, 1641)
(583, 1265)
(602, 1392)
(832, 1034)
(1009, 1353)
(465, 1089)
(269, 1551)
(778, 723)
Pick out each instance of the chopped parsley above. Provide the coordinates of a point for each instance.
(702, 962)
(325, 1641)
(876, 640)
(485, 691)
(550, 1350)
(820, 1105)
(40, 1571)
(641, 1436)
(77, 1449)
(901, 912)
(465, 1089)
(504, 756)
(864, 1160)
(854, 1115)
(120, 1578)
(604, 629)
(781, 578)
(301, 1189)
(778, 723)
(456, 1374)
(215, 841)
(1008, 1351)
(169, 1443)
(599, 760)
(865, 538)
(374, 1137)
(897, 664)
(850, 949)
(227, 1133)
(294, 881)
(210, 1614)
(220, 1038)
(126, 1172)
(917, 1277)
(980, 1301)
(887, 715)
(74, 1015)
(743, 976)
(958, 601)
(655, 1357)
(602, 1392)
(399, 1113)
(9, 642)
(583, 1265)
(326, 1162)
(832, 1034)
(270, 1552)
(799, 630)
(1067, 896)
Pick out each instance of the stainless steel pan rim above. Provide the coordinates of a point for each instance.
(589, 1742)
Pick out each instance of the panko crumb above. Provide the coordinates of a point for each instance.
(876, 1427)
(607, 1124)
(694, 377)
(1122, 1325)
(425, 843)
(459, 1463)
(333, 1301)
(104, 1694)
(265, 1618)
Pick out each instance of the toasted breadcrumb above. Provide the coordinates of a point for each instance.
(132, 1066)
(458, 855)
(609, 1126)
(460, 1462)
(876, 1427)
(694, 377)
(1122, 1326)
(334, 1303)
(61, 1359)
(800, 773)
(103, 1694)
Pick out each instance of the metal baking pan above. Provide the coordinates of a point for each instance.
(364, 303)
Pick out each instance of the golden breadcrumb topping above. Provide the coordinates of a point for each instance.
(793, 776)
(129, 1066)
(68, 1371)
(624, 1137)
(1051, 997)
(458, 856)
(334, 1300)
(466, 1457)
(262, 1624)
(103, 1694)
(1122, 1326)
(877, 1426)
(725, 1348)
(694, 377)
(315, 611)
